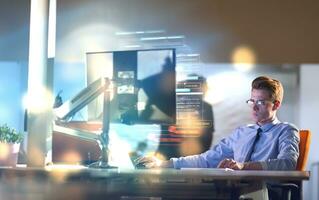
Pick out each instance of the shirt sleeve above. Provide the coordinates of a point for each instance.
(210, 158)
(288, 145)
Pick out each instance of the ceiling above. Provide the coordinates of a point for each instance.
(275, 32)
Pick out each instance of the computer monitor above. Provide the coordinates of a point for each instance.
(144, 85)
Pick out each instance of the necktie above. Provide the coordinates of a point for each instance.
(251, 151)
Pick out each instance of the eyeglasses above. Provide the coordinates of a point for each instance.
(252, 102)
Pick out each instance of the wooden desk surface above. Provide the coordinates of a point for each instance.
(83, 183)
(218, 174)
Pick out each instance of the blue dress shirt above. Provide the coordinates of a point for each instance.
(277, 148)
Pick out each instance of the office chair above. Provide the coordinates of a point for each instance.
(290, 190)
(304, 145)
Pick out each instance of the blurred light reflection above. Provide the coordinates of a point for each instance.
(243, 58)
(221, 86)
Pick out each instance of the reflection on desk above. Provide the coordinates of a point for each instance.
(83, 183)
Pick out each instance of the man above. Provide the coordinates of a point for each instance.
(199, 137)
(266, 145)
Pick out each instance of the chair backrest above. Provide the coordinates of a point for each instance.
(304, 145)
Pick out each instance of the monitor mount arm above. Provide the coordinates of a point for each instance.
(65, 112)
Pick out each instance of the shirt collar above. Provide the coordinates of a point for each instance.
(268, 126)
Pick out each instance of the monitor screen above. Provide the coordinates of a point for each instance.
(144, 85)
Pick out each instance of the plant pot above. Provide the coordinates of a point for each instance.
(9, 154)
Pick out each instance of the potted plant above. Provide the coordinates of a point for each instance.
(10, 140)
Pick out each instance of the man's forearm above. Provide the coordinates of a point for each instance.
(167, 164)
(252, 166)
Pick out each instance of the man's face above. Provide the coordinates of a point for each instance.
(263, 109)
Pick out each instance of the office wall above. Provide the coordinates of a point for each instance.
(14, 31)
(309, 109)
(69, 79)
(13, 84)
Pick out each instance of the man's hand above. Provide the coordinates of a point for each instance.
(230, 163)
(153, 162)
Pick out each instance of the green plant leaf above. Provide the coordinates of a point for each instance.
(10, 135)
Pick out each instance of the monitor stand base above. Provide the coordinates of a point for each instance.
(101, 165)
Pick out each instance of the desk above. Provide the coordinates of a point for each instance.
(65, 183)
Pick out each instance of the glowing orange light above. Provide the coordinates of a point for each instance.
(243, 58)
(190, 147)
(71, 157)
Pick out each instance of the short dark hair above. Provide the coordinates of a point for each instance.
(272, 86)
